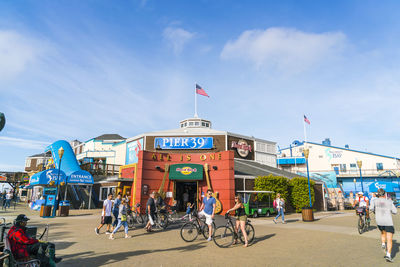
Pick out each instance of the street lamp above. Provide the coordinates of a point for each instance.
(359, 164)
(355, 189)
(60, 155)
(306, 153)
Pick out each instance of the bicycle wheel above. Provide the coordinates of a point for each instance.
(163, 220)
(189, 232)
(223, 236)
(130, 220)
(360, 225)
(138, 218)
(205, 230)
(250, 233)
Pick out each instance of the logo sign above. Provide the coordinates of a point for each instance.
(186, 170)
(132, 151)
(242, 147)
(377, 185)
(3, 178)
(183, 142)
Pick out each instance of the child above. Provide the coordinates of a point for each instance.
(188, 211)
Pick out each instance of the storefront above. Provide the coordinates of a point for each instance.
(182, 176)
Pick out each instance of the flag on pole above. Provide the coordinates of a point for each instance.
(306, 120)
(201, 91)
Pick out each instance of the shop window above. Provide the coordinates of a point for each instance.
(104, 191)
(379, 166)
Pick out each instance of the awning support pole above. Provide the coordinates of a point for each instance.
(90, 195)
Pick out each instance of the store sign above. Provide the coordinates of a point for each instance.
(183, 142)
(3, 178)
(186, 172)
(132, 151)
(242, 148)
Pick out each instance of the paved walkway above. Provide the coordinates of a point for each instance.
(332, 240)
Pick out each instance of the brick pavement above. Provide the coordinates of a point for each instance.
(332, 240)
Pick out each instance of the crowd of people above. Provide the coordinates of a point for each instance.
(7, 197)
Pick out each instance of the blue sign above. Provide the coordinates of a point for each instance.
(183, 142)
(45, 177)
(80, 177)
(132, 151)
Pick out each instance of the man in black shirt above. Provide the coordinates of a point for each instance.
(150, 210)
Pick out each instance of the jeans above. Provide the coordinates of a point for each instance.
(115, 213)
(8, 203)
(121, 223)
(280, 213)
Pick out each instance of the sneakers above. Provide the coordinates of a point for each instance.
(209, 239)
(388, 258)
(128, 236)
(112, 237)
(108, 232)
(274, 221)
(384, 247)
(96, 230)
(284, 222)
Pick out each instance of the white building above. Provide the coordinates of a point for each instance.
(337, 166)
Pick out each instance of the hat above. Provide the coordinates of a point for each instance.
(360, 193)
(22, 218)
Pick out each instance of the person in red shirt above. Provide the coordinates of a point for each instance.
(22, 246)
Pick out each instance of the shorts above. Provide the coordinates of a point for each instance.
(106, 220)
(151, 218)
(389, 229)
(242, 218)
(208, 217)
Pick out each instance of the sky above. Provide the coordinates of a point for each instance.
(79, 69)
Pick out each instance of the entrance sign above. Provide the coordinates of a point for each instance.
(183, 142)
(186, 172)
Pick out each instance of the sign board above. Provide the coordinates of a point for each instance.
(3, 178)
(183, 143)
(186, 172)
(132, 151)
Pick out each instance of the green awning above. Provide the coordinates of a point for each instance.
(186, 172)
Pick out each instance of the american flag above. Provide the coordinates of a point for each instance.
(201, 91)
(306, 120)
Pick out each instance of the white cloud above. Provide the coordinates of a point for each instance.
(283, 48)
(23, 143)
(11, 167)
(16, 52)
(177, 38)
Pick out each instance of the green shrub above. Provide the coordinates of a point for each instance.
(277, 184)
(299, 197)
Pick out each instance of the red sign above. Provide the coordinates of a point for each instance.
(3, 178)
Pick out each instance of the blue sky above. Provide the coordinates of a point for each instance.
(79, 69)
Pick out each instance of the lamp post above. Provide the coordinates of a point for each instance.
(306, 153)
(355, 189)
(60, 155)
(359, 164)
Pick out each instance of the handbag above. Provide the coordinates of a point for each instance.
(123, 218)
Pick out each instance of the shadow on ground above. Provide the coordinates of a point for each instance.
(84, 259)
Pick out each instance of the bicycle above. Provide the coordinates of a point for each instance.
(363, 223)
(134, 216)
(161, 219)
(225, 235)
(190, 230)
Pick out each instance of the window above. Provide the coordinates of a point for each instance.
(197, 123)
(353, 168)
(28, 163)
(342, 167)
(207, 124)
(191, 123)
(203, 124)
(104, 191)
(182, 125)
(379, 166)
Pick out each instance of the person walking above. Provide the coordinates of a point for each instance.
(279, 205)
(207, 210)
(9, 196)
(105, 215)
(122, 212)
(384, 208)
(150, 210)
(115, 209)
(241, 218)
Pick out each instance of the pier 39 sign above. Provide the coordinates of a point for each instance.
(183, 143)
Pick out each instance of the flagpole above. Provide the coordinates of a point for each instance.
(305, 132)
(195, 101)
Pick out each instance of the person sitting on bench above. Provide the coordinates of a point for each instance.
(22, 246)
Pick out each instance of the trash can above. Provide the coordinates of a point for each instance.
(307, 214)
(45, 211)
(63, 208)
